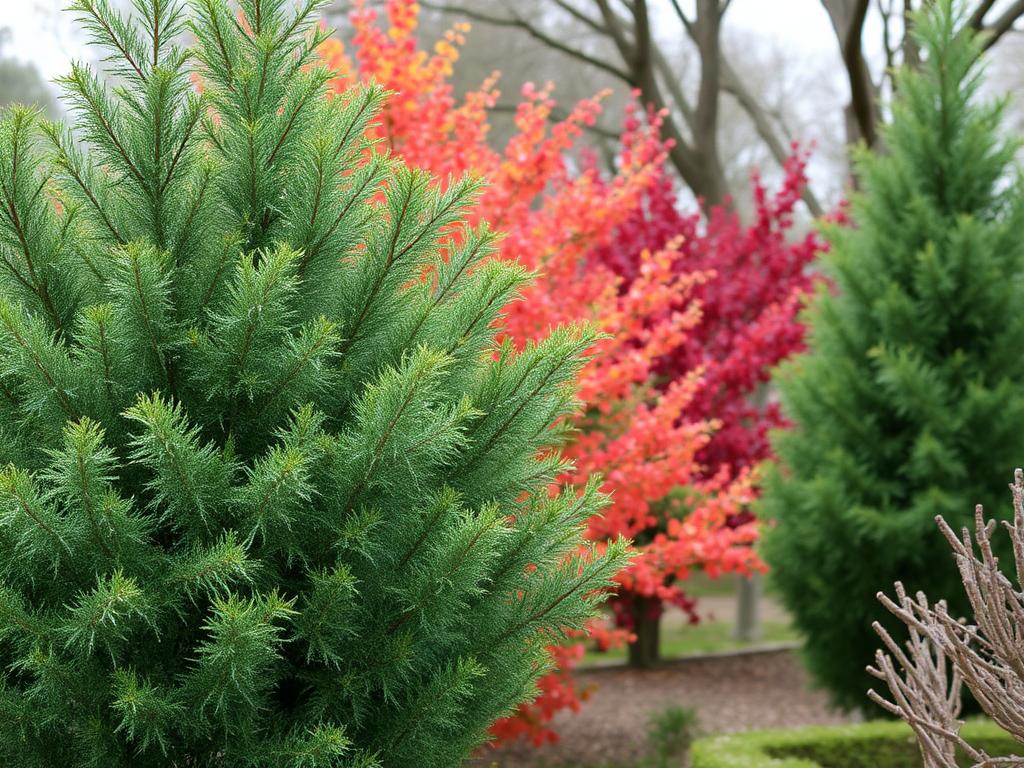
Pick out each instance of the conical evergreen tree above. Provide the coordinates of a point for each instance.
(273, 494)
(910, 401)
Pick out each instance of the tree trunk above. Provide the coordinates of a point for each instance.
(748, 609)
(645, 652)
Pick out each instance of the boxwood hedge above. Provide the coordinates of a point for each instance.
(881, 744)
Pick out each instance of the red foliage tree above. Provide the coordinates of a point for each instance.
(749, 309)
(757, 275)
(647, 427)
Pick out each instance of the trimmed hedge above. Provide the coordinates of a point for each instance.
(882, 744)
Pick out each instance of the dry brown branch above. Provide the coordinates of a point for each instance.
(926, 674)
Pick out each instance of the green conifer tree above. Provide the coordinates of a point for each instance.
(910, 400)
(273, 495)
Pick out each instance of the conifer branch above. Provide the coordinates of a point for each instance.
(424, 533)
(452, 570)
(355, 198)
(72, 167)
(164, 440)
(212, 18)
(482, 244)
(485, 311)
(590, 579)
(14, 484)
(156, 34)
(226, 253)
(147, 320)
(16, 273)
(88, 90)
(12, 612)
(325, 334)
(33, 281)
(89, 505)
(382, 273)
(193, 211)
(384, 437)
(7, 318)
(192, 121)
(310, 93)
(299, 20)
(394, 255)
(568, 357)
(108, 375)
(7, 393)
(275, 464)
(371, 98)
(101, 22)
(156, 194)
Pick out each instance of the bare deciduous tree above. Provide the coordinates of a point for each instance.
(625, 30)
(849, 17)
(926, 674)
(618, 39)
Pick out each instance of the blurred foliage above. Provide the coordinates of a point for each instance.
(21, 82)
(671, 733)
(908, 403)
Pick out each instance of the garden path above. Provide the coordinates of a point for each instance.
(730, 693)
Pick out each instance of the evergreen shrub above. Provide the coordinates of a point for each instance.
(910, 400)
(273, 494)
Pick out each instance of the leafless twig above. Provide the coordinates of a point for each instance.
(926, 674)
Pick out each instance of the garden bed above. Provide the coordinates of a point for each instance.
(865, 745)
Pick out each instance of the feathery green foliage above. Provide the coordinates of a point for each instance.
(273, 494)
(909, 403)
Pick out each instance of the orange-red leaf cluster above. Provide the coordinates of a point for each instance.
(561, 219)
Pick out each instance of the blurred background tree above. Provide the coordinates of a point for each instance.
(805, 70)
(21, 82)
(735, 98)
(912, 351)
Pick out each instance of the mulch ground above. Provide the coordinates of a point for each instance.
(735, 693)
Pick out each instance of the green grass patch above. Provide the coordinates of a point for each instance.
(868, 745)
(699, 584)
(706, 637)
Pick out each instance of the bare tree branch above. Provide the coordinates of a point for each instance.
(1003, 24)
(673, 85)
(926, 675)
(534, 32)
(732, 84)
(695, 158)
(616, 27)
(911, 49)
(977, 17)
(885, 10)
(682, 15)
(847, 17)
(692, 119)
(581, 17)
(707, 35)
(691, 125)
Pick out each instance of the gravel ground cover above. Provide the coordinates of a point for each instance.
(730, 693)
